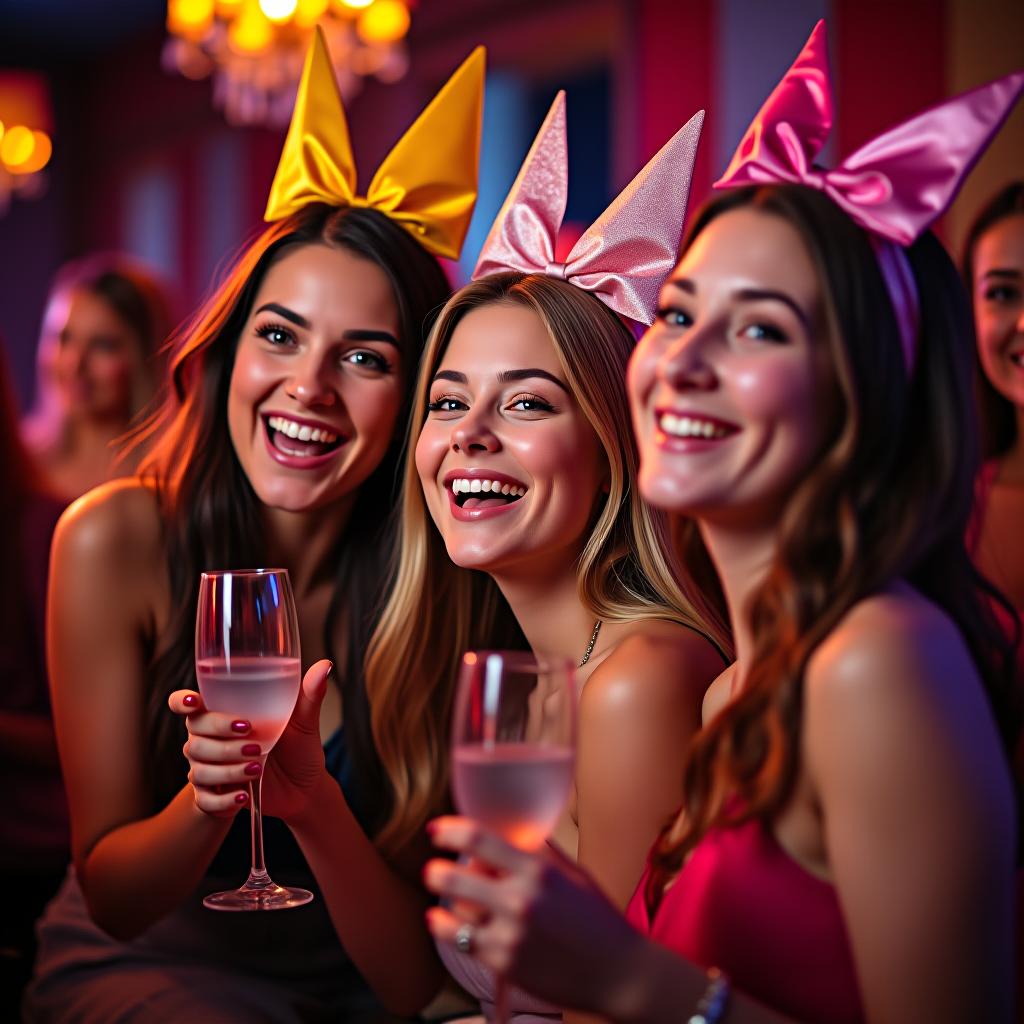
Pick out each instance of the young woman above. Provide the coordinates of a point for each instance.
(278, 447)
(525, 465)
(845, 850)
(994, 272)
(99, 368)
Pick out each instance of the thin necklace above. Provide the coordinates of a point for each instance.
(590, 646)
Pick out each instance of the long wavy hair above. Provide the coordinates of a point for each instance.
(888, 497)
(211, 514)
(998, 415)
(627, 569)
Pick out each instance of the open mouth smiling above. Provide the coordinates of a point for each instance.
(298, 441)
(474, 493)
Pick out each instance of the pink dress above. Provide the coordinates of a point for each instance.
(742, 904)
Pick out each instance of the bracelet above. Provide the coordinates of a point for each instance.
(711, 1007)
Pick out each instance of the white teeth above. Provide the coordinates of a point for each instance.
(688, 426)
(463, 485)
(298, 430)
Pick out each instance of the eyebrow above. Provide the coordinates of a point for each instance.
(356, 334)
(751, 295)
(1002, 272)
(505, 376)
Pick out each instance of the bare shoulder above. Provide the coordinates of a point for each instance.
(653, 663)
(111, 541)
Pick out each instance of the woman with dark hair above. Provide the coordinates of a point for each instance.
(994, 272)
(98, 367)
(33, 813)
(846, 846)
(278, 445)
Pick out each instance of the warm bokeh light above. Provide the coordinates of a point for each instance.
(1, 129)
(278, 10)
(353, 5)
(190, 18)
(310, 11)
(385, 22)
(40, 156)
(250, 32)
(16, 147)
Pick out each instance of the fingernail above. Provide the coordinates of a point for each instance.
(239, 725)
(190, 701)
(330, 667)
(241, 798)
(251, 750)
(254, 768)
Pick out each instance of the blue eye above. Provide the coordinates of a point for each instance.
(764, 332)
(673, 316)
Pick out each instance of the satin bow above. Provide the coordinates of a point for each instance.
(427, 183)
(894, 186)
(625, 255)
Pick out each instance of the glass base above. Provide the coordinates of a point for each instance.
(262, 897)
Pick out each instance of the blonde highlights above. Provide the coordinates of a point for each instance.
(626, 571)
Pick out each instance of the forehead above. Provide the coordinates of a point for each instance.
(500, 336)
(331, 287)
(1002, 245)
(750, 248)
(85, 310)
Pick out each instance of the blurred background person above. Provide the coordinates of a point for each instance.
(33, 813)
(98, 366)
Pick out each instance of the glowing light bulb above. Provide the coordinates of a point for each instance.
(250, 32)
(386, 21)
(278, 11)
(16, 147)
(353, 5)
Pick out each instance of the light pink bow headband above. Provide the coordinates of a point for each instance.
(894, 186)
(626, 254)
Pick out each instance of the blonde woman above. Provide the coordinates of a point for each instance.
(521, 514)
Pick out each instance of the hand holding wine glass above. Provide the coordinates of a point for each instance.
(248, 666)
(513, 752)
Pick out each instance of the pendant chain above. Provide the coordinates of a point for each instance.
(590, 646)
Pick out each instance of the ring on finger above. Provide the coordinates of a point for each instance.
(464, 939)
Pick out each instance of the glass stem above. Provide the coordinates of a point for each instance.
(500, 1000)
(258, 877)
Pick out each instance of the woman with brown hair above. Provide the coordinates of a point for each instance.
(521, 516)
(277, 446)
(846, 844)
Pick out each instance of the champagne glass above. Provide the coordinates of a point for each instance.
(248, 666)
(513, 749)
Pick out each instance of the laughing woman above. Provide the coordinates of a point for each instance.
(845, 849)
(278, 447)
(525, 464)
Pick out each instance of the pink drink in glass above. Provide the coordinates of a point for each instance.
(517, 789)
(262, 690)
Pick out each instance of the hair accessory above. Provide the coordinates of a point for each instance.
(427, 183)
(626, 254)
(894, 186)
(712, 1005)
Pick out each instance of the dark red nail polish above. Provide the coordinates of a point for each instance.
(251, 750)
(190, 700)
(254, 768)
(241, 798)
(240, 725)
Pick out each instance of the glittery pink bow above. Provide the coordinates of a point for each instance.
(625, 255)
(894, 186)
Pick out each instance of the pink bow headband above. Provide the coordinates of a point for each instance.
(626, 254)
(894, 186)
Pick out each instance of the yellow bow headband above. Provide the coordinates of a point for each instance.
(427, 183)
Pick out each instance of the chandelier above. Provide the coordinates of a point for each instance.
(254, 49)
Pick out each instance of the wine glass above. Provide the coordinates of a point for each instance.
(513, 749)
(248, 666)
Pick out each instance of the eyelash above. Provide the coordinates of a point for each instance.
(772, 334)
(665, 312)
(381, 364)
(1002, 293)
(538, 403)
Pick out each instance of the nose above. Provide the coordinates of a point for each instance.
(309, 382)
(685, 365)
(472, 433)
